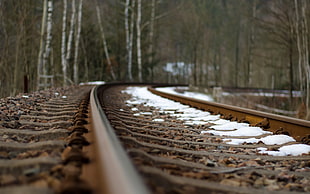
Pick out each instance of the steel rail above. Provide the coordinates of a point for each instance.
(117, 173)
(297, 128)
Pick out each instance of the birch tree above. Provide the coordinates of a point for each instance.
(77, 41)
(63, 43)
(45, 51)
(71, 31)
(128, 40)
(49, 25)
(139, 52)
(250, 46)
(151, 35)
(104, 42)
(40, 56)
(302, 42)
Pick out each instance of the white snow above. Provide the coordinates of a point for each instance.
(146, 113)
(240, 141)
(196, 95)
(277, 139)
(93, 83)
(268, 140)
(244, 131)
(25, 96)
(230, 126)
(158, 120)
(293, 150)
(64, 97)
(134, 109)
(142, 96)
(221, 127)
(220, 121)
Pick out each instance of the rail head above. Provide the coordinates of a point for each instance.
(297, 128)
(117, 172)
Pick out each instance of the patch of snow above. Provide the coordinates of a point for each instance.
(244, 131)
(230, 126)
(93, 83)
(134, 109)
(158, 120)
(196, 95)
(142, 96)
(146, 113)
(268, 140)
(220, 121)
(289, 150)
(277, 139)
(240, 141)
(221, 127)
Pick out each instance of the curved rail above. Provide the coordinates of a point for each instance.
(111, 156)
(297, 128)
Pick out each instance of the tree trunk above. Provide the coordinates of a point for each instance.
(70, 38)
(139, 55)
(77, 41)
(151, 37)
(63, 43)
(40, 56)
(104, 43)
(132, 24)
(49, 25)
(128, 45)
(298, 45)
(248, 80)
(305, 49)
(237, 54)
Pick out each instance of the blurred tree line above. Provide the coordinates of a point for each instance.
(244, 43)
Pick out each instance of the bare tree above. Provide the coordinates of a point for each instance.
(104, 42)
(40, 56)
(63, 43)
(250, 46)
(139, 52)
(129, 61)
(71, 31)
(49, 25)
(77, 41)
(151, 35)
(301, 28)
(44, 53)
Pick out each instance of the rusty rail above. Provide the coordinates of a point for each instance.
(117, 174)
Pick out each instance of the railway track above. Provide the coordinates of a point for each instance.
(174, 157)
(80, 143)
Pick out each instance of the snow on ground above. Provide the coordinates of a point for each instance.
(221, 127)
(183, 112)
(268, 140)
(293, 150)
(173, 90)
(93, 83)
(243, 131)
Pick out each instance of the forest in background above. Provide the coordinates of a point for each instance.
(243, 43)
